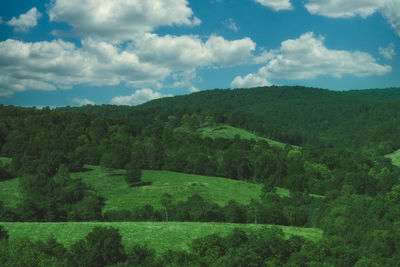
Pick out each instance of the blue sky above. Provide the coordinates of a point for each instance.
(76, 52)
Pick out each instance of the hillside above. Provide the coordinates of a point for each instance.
(160, 236)
(229, 132)
(151, 169)
(120, 195)
(295, 115)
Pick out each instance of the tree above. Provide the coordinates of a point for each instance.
(3, 233)
(101, 247)
(133, 173)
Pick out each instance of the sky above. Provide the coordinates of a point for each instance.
(126, 52)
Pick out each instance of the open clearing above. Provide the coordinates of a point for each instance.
(181, 186)
(395, 157)
(229, 132)
(158, 235)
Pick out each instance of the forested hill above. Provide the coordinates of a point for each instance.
(366, 119)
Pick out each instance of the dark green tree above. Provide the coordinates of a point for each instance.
(3, 233)
(101, 247)
(133, 173)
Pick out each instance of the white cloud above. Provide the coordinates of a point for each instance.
(59, 64)
(390, 9)
(25, 21)
(137, 98)
(193, 89)
(188, 52)
(250, 80)
(82, 101)
(229, 53)
(145, 63)
(388, 52)
(392, 13)
(120, 20)
(231, 25)
(276, 4)
(264, 57)
(307, 58)
(344, 8)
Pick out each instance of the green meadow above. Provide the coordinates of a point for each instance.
(119, 195)
(158, 235)
(229, 132)
(395, 157)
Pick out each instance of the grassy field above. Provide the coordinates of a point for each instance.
(119, 195)
(227, 131)
(9, 192)
(157, 235)
(112, 186)
(4, 160)
(395, 157)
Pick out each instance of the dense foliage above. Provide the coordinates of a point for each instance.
(339, 180)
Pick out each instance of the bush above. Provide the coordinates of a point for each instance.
(101, 247)
(133, 173)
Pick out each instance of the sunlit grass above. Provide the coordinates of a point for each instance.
(229, 132)
(157, 235)
(395, 157)
(181, 186)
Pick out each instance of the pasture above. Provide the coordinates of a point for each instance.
(158, 235)
(119, 195)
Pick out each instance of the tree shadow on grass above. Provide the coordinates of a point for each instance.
(141, 184)
(85, 170)
(116, 174)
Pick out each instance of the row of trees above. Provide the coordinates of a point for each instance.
(265, 247)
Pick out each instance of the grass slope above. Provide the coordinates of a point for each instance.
(119, 195)
(9, 192)
(157, 235)
(395, 157)
(229, 132)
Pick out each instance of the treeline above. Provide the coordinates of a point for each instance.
(364, 119)
(264, 247)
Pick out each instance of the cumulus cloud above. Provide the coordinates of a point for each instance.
(145, 60)
(307, 58)
(344, 8)
(25, 21)
(82, 101)
(229, 53)
(120, 20)
(387, 52)
(276, 4)
(59, 64)
(137, 98)
(390, 9)
(250, 80)
(146, 63)
(187, 52)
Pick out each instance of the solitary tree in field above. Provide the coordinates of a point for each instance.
(133, 173)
